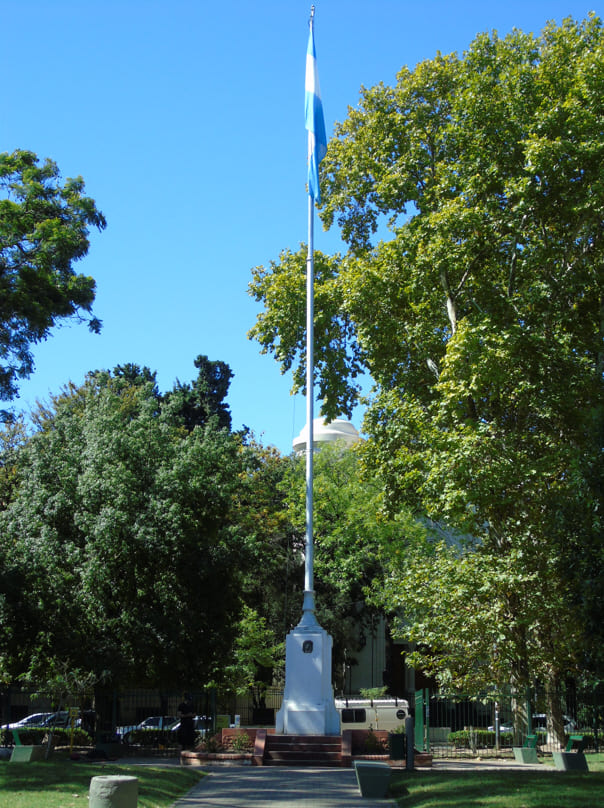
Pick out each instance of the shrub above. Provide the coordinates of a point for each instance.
(373, 692)
(153, 737)
(240, 743)
(211, 744)
(477, 738)
(38, 735)
(373, 745)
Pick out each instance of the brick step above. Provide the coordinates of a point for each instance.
(303, 760)
(303, 747)
(332, 739)
(303, 750)
(297, 754)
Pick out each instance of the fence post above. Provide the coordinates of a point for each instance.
(409, 734)
(419, 720)
(427, 725)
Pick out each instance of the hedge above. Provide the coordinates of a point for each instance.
(38, 735)
(468, 739)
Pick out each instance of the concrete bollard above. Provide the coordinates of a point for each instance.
(113, 791)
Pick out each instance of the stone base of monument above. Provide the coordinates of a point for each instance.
(308, 706)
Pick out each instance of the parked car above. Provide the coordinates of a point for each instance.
(61, 720)
(33, 720)
(506, 726)
(200, 724)
(158, 722)
(540, 723)
(153, 722)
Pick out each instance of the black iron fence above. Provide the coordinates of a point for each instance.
(447, 725)
(452, 725)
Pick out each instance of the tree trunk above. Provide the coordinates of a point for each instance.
(520, 702)
(555, 716)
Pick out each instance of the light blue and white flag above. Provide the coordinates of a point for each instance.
(315, 123)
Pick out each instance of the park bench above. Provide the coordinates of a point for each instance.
(527, 753)
(573, 758)
(24, 753)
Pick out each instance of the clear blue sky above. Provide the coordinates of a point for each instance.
(185, 119)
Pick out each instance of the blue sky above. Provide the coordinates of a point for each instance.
(185, 119)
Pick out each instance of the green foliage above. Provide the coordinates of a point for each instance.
(478, 738)
(211, 744)
(270, 565)
(500, 788)
(372, 692)
(240, 742)
(480, 321)
(118, 554)
(373, 745)
(61, 784)
(255, 650)
(39, 735)
(280, 329)
(350, 530)
(204, 400)
(44, 227)
(155, 738)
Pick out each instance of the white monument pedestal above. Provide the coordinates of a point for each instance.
(308, 706)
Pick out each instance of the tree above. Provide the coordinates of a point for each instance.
(481, 322)
(350, 531)
(270, 562)
(44, 228)
(203, 400)
(118, 553)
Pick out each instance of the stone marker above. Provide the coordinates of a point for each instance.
(113, 791)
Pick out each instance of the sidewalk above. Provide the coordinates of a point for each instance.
(257, 787)
(276, 787)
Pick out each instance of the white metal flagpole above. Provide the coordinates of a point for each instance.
(309, 595)
(308, 706)
(317, 148)
(308, 609)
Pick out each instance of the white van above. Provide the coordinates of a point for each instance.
(387, 714)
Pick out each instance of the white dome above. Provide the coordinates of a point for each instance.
(327, 432)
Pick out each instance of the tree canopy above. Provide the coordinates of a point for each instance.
(117, 547)
(480, 319)
(44, 230)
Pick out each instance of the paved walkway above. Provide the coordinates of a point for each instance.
(256, 787)
(276, 787)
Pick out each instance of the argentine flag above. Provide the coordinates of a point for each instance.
(317, 140)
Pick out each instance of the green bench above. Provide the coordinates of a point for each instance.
(24, 753)
(573, 758)
(527, 753)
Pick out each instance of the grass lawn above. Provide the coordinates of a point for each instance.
(65, 784)
(502, 789)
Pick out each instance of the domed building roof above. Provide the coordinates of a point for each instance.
(327, 432)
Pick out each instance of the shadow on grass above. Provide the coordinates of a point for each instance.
(512, 789)
(43, 783)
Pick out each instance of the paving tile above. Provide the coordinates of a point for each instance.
(255, 787)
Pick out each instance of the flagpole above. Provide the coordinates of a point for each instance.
(308, 706)
(308, 609)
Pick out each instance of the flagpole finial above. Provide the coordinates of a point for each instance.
(312, 14)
